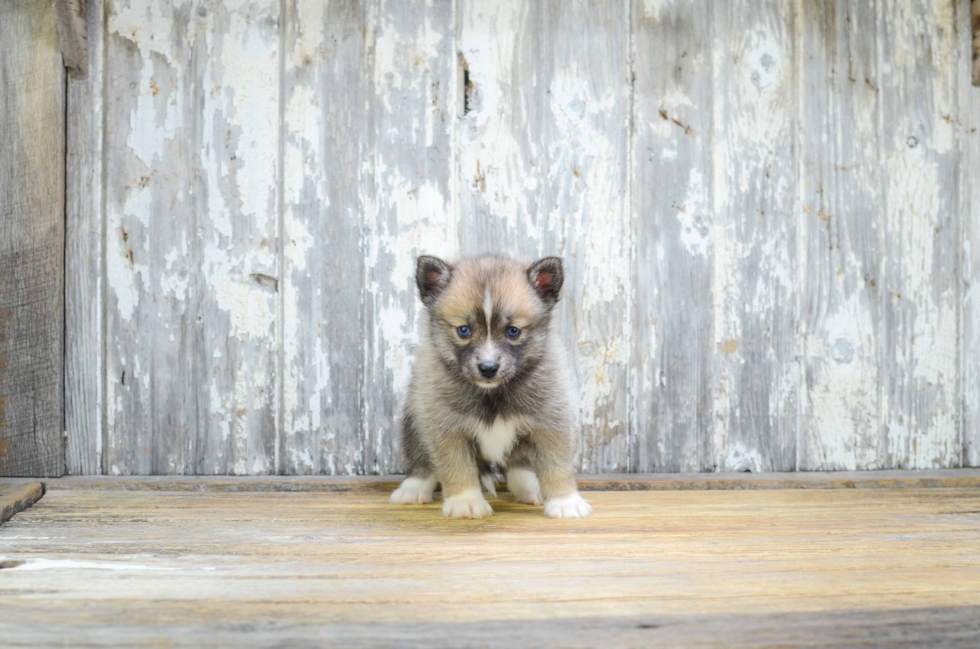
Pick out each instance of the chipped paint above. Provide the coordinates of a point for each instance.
(190, 222)
(757, 248)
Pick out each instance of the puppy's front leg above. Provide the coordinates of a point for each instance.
(460, 477)
(553, 464)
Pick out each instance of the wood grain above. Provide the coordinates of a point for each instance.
(84, 232)
(919, 399)
(969, 225)
(367, 178)
(950, 626)
(328, 179)
(17, 498)
(543, 159)
(191, 226)
(670, 192)
(842, 229)
(250, 569)
(756, 283)
(415, 94)
(32, 241)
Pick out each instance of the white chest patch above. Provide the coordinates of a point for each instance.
(497, 439)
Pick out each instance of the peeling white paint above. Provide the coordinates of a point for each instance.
(538, 164)
(248, 306)
(741, 458)
(694, 217)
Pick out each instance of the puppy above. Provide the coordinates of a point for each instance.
(491, 388)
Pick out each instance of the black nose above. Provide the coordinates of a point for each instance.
(489, 369)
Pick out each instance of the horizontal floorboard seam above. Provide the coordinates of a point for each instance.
(943, 478)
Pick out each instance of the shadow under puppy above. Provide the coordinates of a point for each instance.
(491, 386)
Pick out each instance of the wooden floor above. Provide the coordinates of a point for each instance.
(701, 568)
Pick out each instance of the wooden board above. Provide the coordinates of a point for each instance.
(919, 401)
(932, 479)
(190, 239)
(969, 226)
(954, 627)
(367, 176)
(415, 94)
(32, 241)
(84, 232)
(16, 498)
(765, 211)
(756, 277)
(543, 159)
(326, 177)
(842, 228)
(713, 568)
(670, 192)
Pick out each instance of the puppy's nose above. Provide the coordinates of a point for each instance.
(489, 369)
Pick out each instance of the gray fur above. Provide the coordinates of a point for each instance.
(447, 411)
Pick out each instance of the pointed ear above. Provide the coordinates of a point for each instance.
(546, 277)
(432, 276)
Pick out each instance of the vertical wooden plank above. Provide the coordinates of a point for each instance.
(969, 212)
(414, 79)
(191, 236)
(673, 339)
(84, 344)
(842, 231)
(920, 406)
(32, 240)
(328, 185)
(754, 199)
(543, 158)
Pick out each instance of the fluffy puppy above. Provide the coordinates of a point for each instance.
(491, 388)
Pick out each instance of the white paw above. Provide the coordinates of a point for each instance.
(524, 485)
(469, 504)
(571, 506)
(414, 491)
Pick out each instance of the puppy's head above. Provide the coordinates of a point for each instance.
(489, 316)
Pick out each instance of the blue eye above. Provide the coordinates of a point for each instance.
(463, 331)
(513, 332)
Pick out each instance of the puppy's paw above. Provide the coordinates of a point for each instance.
(469, 504)
(414, 491)
(524, 485)
(570, 506)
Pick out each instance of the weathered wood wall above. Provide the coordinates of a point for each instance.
(32, 240)
(769, 212)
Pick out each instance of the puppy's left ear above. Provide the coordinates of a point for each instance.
(546, 277)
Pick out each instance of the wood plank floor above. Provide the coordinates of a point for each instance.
(831, 567)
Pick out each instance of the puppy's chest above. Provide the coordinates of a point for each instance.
(496, 439)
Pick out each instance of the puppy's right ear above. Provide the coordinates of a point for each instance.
(432, 277)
